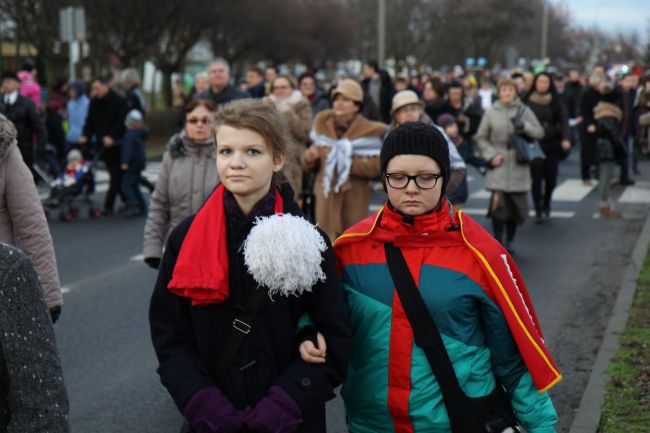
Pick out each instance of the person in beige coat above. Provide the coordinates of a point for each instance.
(187, 177)
(22, 219)
(346, 154)
(508, 180)
(296, 112)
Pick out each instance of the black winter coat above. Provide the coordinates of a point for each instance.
(105, 117)
(188, 339)
(386, 93)
(25, 118)
(589, 99)
(553, 117)
(230, 93)
(609, 146)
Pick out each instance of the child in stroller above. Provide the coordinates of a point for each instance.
(76, 183)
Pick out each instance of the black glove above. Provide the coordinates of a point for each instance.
(55, 312)
(153, 262)
(518, 123)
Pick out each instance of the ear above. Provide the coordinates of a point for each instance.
(278, 162)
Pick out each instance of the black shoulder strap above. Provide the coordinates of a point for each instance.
(428, 338)
(241, 327)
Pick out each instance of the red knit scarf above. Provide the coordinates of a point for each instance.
(201, 270)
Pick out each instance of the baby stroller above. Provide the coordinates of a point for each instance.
(73, 186)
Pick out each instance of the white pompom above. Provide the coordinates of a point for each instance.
(284, 253)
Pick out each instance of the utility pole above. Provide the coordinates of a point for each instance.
(381, 33)
(544, 29)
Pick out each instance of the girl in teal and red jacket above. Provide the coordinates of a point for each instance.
(470, 285)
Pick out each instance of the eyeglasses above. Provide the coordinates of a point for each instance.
(195, 120)
(422, 181)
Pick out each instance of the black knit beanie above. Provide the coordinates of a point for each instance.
(417, 138)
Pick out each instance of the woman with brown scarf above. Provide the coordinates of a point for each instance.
(545, 103)
(346, 154)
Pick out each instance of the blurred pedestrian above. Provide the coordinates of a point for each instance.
(571, 99)
(465, 148)
(345, 154)
(610, 147)
(644, 116)
(465, 110)
(296, 112)
(439, 311)
(318, 98)
(178, 93)
(270, 73)
(29, 87)
(24, 115)
(76, 110)
(408, 108)
(130, 84)
(220, 91)
(54, 114)
(255, 85)
(22, 219)
(433, 97)
(628, 131)
(548, 108)
(507, 180)
(102, 132)
(133, 163)
(486, 93)
(201, 84)
(248, 243)
(378, 86)
(187, 177)
(588, 101)
(33, 397)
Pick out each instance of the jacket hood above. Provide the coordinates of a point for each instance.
(607, 109)
(7, 136)
(180, 145)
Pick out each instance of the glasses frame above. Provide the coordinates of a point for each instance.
(196, 120)
(436, 177)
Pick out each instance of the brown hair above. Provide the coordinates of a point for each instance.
(259, 116)
(290, 80)
(194, 103)
(506, 82)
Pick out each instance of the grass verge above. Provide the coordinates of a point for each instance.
(627, 398)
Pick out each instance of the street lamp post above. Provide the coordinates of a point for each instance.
(381, 33)
(544, 29)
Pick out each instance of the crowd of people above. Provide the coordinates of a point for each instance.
(250, 155)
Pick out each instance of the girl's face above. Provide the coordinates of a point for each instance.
(542, 84)
(245, 164)
(507, 94)
(413, 200)
(308, 86)
(408, 113)
(344, 107)
(282, 88)
(199, 124)
(429, 93)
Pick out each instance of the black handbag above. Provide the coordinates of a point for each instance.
(490, 414)
(528, 151)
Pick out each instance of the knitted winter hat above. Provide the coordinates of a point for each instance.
(78, 87)
(417, 138)
(133, 118)
(444, 120)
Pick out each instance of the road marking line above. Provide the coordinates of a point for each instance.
(136, 258)
(572, 190)
(481, 194)
(639, 193)
(65, 290)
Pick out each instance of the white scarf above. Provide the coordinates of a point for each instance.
(339, 160)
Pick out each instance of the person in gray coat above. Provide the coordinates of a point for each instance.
(32, 394)
(508, 180)
(187, 177)
(22, 219)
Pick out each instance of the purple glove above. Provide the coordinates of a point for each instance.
(209, 411)
(278, 412)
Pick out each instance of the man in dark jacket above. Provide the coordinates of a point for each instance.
(626, 102)
(378, 85)
(220, 91)
(588, 101)
(22, 112)
(467, 113)
(104, 129)
(256, 86)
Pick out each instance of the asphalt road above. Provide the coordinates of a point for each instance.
(572, 266)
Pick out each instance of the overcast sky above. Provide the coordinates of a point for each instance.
(611, 15)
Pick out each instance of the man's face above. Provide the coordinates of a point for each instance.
(10, 85)
(630, 82)
(98, 89)
(219, 76)
(368, 71)
(253, 78)
(455, 94)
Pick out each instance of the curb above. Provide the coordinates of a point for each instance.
(588, 415)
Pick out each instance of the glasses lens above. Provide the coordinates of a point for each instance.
(426, 181)
(195, 120)
(397, 180)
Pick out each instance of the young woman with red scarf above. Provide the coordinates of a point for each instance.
(249, 236)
